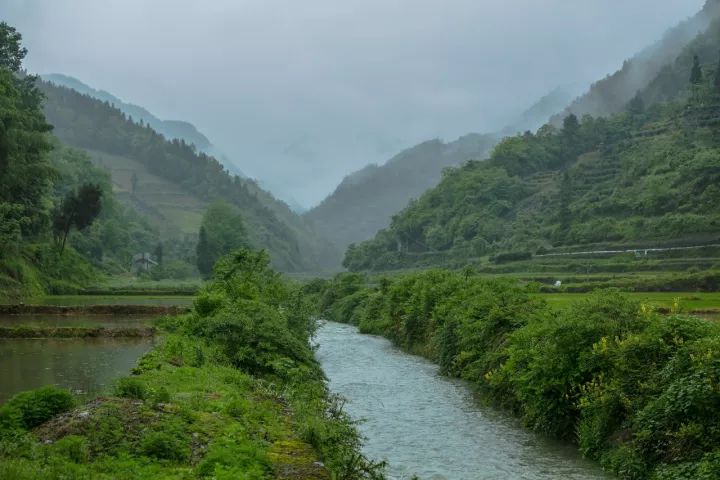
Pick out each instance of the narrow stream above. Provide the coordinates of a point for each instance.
(425, 424)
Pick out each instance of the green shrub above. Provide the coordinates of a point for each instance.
(73, 447)
(130, 387)
(38, 406)
(165, 446)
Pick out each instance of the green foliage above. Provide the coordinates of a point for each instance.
(78, 209)
(222, 231)
(636, 390)
(130, 387)
(645, 176)
(165, 446)
(37, 406)
(84, 122)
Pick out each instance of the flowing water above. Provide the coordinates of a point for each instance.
(86, 366)
(425, 424)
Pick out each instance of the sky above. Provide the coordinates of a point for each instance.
(300, 93)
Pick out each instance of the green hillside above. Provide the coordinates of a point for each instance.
(175, 181)
(366, 200)
(646, 177)
(610, 95)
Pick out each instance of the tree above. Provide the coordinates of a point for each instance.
(78, 209)
(204, 255)
(159, 253)
(696, 74)
(133, 182)
(571, 125)
(716, 81)
(636, 106)
(11, 52)
(696, 78)
(566, 191)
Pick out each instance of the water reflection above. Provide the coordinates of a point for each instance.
(86, 366)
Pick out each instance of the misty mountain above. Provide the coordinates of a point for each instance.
(646, 176)
(170, 129)
(611, 94)
(170, 183)
(366, 200)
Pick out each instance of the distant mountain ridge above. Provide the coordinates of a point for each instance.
(175, 182)
(366, 200)
(647, 175)
(611, 94)
(168, 128)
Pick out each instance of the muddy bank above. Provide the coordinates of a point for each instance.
(159, 310)
(76, 332)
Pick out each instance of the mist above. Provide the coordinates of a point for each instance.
(299, 94)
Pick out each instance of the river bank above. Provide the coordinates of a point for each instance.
(231, 391)
(430, 425)
(633, 389)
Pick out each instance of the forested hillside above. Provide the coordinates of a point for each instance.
(364, 202)
(170, 129)
(60, 224)
(611, 94)
(171, 183)
(647, 176)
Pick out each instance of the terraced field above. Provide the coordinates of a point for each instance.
(167, 206)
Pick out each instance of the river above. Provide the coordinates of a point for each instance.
(425, 424)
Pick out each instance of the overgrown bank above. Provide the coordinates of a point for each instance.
(636, 390)
(233, 391)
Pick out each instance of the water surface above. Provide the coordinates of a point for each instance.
(76, 320)
(429, 425)
(86, 366)
(71, 300)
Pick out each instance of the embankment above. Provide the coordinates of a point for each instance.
(232, 391)
(635, 390)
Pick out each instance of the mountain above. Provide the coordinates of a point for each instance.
(646, 176)
(611, 94)
(170, 129)
(366, 200)
(170, 183)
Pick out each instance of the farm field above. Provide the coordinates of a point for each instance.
(688, 301)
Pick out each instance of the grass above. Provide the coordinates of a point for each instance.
(166, 205)
(180, 416)
(687, 301)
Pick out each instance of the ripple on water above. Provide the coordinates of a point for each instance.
(429, 425)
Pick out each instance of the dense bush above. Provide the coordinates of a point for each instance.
(37, 406)
(636, 390)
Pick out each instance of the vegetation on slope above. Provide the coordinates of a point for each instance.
(85, 122)
(610, 95)
(366, 200)
(636, 390)
(647, 176)
(232, 392)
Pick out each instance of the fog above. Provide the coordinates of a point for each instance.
(299, 94)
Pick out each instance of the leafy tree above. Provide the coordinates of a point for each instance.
(636, 106)
(571, 125)
(696, 74)
(205, 259)
(159, 253)
(25, 175)
(11, 52)
(716, 80)
(134, 182)
(79, 210)
(222, 231)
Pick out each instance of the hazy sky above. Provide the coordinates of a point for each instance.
(301, 92)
